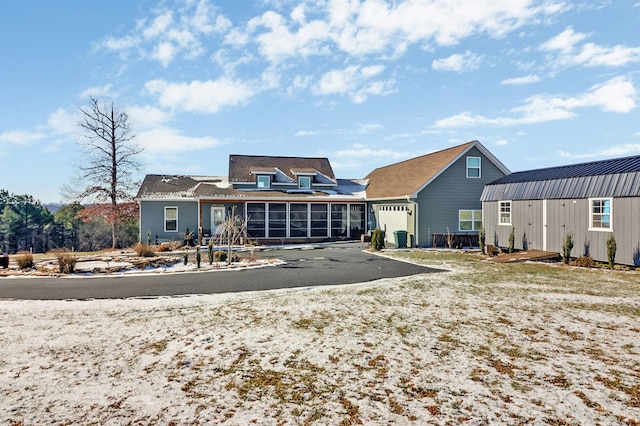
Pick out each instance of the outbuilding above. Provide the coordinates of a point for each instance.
(590, 201)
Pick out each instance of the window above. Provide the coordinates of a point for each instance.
(264, 181)
(298, 220)
(600, 214)
(277, 220)
(339, 220)
(469, 220)
(256, 220)
(170, 219)
(473, 167)
(319, 220)
(505, 213)
(304, 182)
(357, 220)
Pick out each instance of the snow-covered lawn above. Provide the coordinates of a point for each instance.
(482, 343)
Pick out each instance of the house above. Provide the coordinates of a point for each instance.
(433, 196)
(590, 201)
(282, 198)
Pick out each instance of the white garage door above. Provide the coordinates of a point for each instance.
(391, 219)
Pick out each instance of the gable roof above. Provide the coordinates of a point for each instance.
(175, 186)
(406, 178)
(245, 168)
(618, 177)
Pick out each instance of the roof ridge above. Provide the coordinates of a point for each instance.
(428, 154)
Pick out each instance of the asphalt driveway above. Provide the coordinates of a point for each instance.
(326, 265)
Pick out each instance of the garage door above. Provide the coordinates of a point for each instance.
(391, 219)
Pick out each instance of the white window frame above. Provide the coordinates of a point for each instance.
(500, 204)
(473, 220)
(478, 167)
(592, 214)
(261, 178)
(305, 179)
(165, 219)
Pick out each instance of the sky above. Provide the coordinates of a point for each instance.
(365, 83)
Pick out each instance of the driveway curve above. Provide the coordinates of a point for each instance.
(326, 265)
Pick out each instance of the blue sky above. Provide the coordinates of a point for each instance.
(365, 83)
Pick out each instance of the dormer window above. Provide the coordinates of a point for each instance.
(264, 181)
(304, 182)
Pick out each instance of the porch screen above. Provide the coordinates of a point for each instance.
(298, 220)
(319, 220)
(277, 220)
(256, 220)
(357, 220)
(339, 220)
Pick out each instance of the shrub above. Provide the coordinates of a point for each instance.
(611, 250)
(144, 250)
(481, 239)
(512, 240)
(24, 259)
(66, 261)
(210, 251)
(219, 256)
(185, 255)
(585, 261)
(567, 246)
(377, 240)
(198, 258)
(164, 247)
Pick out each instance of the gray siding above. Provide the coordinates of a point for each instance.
(569, 216)
(450, 192)
(152, 219)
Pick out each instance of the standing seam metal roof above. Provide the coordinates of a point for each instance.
(618, 177)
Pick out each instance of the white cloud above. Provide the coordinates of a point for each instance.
(21, 137)
(97, 92)
(458, 62)
(162, 141)
(570, 52)
(367, 27)
(63, 122)
(516, 81)
(614, 151)
(615, 95)
(147, 117)
(304, 133)
(207, 97)
(353, 81)
(171, 32)
(362, 151)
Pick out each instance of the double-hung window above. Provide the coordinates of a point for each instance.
(473, 167)
(600, 214)
(170, 219)
(505, 213)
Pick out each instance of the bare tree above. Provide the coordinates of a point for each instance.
(232, 231)
(106, 172)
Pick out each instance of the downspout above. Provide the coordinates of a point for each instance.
(139, 221)
(416, 221)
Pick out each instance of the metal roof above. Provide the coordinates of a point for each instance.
(619, 177)
(594, 168)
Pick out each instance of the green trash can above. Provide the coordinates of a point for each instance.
(400, 238)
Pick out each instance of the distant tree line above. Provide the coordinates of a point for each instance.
(25, 224)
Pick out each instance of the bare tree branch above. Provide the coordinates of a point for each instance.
(109, 163)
